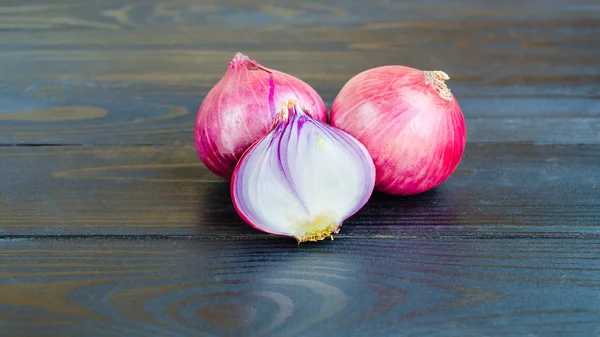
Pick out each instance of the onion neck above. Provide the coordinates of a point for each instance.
(290, 109)
(239, 57)
(242, 61)
(437, 79)
(284, 114)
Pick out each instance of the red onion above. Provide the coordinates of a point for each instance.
(409, 121)
(240, 109)
(303, 178)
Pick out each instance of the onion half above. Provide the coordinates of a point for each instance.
(302, 179)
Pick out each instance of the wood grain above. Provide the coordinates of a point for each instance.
(522, 72)
(110, 225)
(357, 287)
(498, 188)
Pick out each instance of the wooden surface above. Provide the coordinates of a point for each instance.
(110, 226)
(355, 287)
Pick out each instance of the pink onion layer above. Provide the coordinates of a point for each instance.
(409, 121)
(240, 109)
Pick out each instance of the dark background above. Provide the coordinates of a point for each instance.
(110, 225)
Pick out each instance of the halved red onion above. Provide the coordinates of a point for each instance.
(303, 178)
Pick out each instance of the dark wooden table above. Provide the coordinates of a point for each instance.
(110, 225)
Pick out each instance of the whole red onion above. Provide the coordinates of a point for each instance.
(240, 109)
(409, 121)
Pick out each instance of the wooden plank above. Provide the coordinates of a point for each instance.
(135, 72)
(109, 224)
(347, 287)
(165, 190)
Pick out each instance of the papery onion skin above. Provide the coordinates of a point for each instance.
(409, 121)
(240, 109)
(286, 158)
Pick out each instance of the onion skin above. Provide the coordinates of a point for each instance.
(409, 121)
(240, 109)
